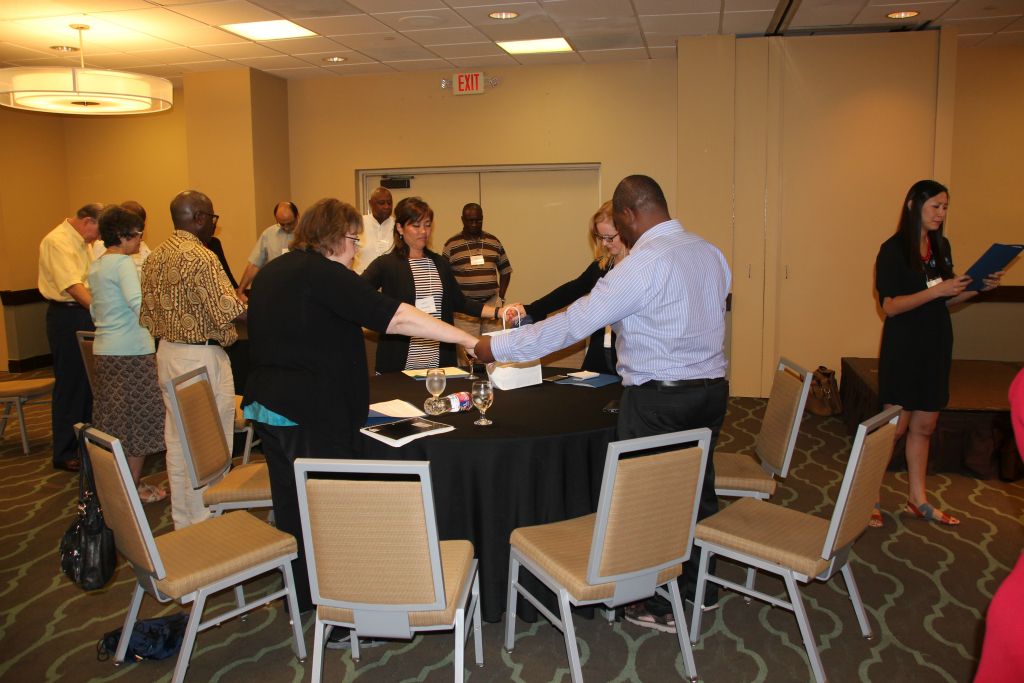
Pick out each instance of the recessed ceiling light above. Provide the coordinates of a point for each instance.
(906, 14)
(334, 60)
(268, 30)
(63, 49)
(502, 16)
(527, 47)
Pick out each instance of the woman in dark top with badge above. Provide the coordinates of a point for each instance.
(308, 387)
(415, 275)
(916, 286)
(608, 250)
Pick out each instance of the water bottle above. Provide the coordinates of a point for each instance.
(458, 402)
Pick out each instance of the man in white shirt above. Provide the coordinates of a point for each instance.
(274, 241)
(64, 260)
(378, 230)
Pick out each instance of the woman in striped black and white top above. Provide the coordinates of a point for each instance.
(414, 274)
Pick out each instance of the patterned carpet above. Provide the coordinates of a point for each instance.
(925, 587)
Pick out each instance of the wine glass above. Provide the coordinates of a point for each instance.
(469, 367)
(483, 396)
(436, 381)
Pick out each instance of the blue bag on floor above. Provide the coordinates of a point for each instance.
(151, 639)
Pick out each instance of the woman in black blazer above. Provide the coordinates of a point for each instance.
(415, 275)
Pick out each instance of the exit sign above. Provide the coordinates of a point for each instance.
(471, 83)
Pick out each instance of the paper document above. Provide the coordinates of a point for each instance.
(395, 408)
(422, 373)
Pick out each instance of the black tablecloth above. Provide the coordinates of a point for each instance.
(541, 461)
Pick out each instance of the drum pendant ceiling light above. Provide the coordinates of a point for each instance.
(78, 90)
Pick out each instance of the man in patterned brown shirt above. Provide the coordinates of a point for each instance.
(188, 303)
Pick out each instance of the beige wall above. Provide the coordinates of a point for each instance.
(620, 115)
(271, 168)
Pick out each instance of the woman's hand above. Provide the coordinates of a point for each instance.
(513, 311)
(951, 287)
(992, 281)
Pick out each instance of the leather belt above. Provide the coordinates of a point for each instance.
(68, 304)
(205, 342)
(679, 383)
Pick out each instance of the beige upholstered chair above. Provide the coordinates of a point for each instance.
(374, 559)
(798, 546)
(190, 564)
(85, 342)
(242, 426)
(15, 394)
(739, 474)
(633, 547)
(195, 414)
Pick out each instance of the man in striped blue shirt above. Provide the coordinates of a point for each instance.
(666, 303)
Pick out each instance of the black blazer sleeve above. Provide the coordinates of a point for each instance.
(563, 295)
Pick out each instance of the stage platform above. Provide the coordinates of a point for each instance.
(973, 432)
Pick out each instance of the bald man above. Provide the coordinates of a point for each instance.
(274, 241)
(378, 229)
(188, 303)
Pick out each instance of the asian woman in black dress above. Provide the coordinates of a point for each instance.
(916, 286)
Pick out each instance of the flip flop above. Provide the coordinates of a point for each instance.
(151, 494)
(876, 521)
(927, 512)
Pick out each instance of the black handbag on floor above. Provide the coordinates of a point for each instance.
(158, 638)
(87, 553)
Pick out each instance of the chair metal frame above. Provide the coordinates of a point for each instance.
(86, 339)
(389, 620)
(18, 403)
(146, 582)
(629, 586)
(770, 470)
(837, 558)
(202, 375)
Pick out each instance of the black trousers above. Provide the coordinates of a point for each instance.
(72, 398)
(648, 410)
(281, 447)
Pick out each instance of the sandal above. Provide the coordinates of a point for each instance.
(151, 494)
(927, 512)
(876, 521)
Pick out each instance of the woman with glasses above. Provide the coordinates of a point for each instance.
(415, 275)
(608, 250)
(127, 403)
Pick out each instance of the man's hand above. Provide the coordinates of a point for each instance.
(513, 312)
(482, 351)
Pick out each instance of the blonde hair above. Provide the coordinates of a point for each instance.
(602, 215)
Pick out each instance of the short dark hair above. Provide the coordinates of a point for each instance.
(91, 210)
(639, 193)
(325, 224)
(135, 207)
(118, 223)
(473, 205)
(409, 210)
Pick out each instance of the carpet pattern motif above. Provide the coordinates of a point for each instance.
(926, 589)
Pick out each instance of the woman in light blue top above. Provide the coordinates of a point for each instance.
(127, 403)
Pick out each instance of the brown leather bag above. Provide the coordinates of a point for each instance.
(823, 399)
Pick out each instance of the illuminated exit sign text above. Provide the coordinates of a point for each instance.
(471, 83)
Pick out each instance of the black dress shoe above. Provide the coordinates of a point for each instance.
(72, 465)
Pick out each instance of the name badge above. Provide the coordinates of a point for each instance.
(934, 281)
(284, 250)
(426, 304)
(476, 260)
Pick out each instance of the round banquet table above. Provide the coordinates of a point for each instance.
(541, 461)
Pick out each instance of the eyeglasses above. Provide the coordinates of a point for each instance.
(355, 240)
(607, 239)
(213, 217)
(133, 235)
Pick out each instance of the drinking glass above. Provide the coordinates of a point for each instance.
(483, 396)
(436, 382)
(469, 369)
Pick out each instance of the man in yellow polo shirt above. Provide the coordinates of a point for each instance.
(64, 259)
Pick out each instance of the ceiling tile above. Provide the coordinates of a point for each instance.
(297, 9)
(971, 39)
(644, 7)
(668, 27)
(293, 46)
(424, 19)
(301, 72)
(1016, 26)
(446, 36)
(343, 25)
(215, 65)
(482, 62)
(119, 61)
(170, 26)
(549, 58)
(663, 52)
(566, 12)
(46, 61)
(9, 51)
(876, 14)
(609, 40)
(354, 69)
(826, 13)
(351, 57)
(750, 5)
(276, 62)
(11, 9)
(599, 56)
(467, 50)
(238, 50)
(174, 55)
(386, 47)
(225, 12)
(985, 25)
(971, 9)
(381, 6)
(746, 23)
(419, 65)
